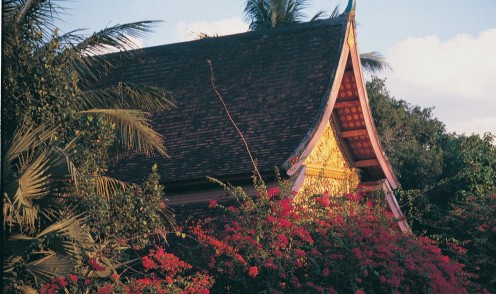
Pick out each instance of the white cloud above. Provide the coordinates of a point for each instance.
(187, 31)
(457, 76)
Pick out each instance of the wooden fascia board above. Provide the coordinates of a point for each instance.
(367, 116)
(309, 144)
(395, 207)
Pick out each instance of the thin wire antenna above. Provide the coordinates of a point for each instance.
(214, 86)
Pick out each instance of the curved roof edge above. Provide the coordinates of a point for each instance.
(372, 132)
(349, 49)
(314, 134)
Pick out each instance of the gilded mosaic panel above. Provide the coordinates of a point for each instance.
(327, 168)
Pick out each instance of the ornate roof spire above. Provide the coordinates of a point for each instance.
(350, 9)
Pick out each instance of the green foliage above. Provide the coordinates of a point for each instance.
(411, 137)
(448, 180)
(133, 216)
(57, 140)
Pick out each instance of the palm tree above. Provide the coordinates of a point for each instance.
(266, 14)
(59, 131)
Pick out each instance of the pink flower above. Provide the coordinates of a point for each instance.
(114, 277)
(274, 191)
(213, 203)
(148, 263)
(95, 265)
(253, 272)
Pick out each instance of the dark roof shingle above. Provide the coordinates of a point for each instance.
(275, 84)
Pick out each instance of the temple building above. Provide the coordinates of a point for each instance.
(297, 95)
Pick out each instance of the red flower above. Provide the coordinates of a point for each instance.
(213, 203)
(324, 199)
(383, 279)
(148, 263)
(253, 272)
(73, 278)
(95, 265)
(107, 289)
(63, 282)
(274, 191)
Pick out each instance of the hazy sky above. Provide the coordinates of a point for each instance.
(442, 52)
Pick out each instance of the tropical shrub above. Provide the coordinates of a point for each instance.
(328, 245)
(59, 132)
(448, 180)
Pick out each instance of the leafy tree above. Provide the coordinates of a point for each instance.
(448, 180)
(411, 137)
(58, 134)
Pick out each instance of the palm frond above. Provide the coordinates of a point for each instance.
(374, 62)
(108, 186)
(294, 10)
(126, 96)
(33, 183)
(134, 130)
(202, 35)
(335, 12)
(319, 15)
(40, 13)
(257, 14)
(119, 37)
(50, 265)
(69, 225)
(26, 139)
(17, 245)
(86, 55)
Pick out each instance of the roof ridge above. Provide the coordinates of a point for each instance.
(297, 27)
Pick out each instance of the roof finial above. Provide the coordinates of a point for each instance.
(350, 9)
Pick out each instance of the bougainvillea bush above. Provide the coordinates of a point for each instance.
(280, 242)
(348, 244)
(158, 272)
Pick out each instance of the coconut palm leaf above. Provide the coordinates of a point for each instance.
(40, 13)
(118, 37)
(374, 62)
(257, 14)
(134, 130)
(263, 14)
(85, 55)
(319, 15)
(126, 96)
(335, 12)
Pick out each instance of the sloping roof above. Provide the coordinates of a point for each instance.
(275, 84)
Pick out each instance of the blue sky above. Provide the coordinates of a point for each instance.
(442, 52)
